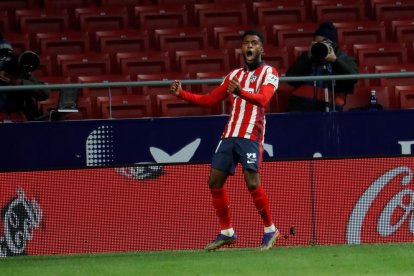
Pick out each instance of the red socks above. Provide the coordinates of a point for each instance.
(221, 205)
(261, 202)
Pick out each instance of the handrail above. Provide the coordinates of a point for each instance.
(199, 81)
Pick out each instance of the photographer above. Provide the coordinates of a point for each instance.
(21, 105)
(323, 58)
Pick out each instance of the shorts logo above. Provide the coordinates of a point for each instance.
(251, 158)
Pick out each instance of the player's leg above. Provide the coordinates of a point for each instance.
(250, 158)
(222, 166)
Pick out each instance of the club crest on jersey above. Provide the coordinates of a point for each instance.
(253, 78)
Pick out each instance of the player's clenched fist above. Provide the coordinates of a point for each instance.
(175, 87)
(234, 87)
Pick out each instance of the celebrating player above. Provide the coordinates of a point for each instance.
(250, 89)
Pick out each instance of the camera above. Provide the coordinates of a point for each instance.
(24, 63)
(321, 49)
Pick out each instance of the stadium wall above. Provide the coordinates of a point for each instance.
(167, 207)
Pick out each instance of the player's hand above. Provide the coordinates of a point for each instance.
(331, 56)
(234, 87)
(175, 88)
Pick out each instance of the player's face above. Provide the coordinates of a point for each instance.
(252, 49)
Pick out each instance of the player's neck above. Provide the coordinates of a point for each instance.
(254, 65)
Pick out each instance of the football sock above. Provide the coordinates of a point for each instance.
(228, 232)
(261, 202)
(270, 229)
(221, 205)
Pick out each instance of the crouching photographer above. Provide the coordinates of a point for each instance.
(323, 58)
(19, 105)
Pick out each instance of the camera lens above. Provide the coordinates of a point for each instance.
(319, 50)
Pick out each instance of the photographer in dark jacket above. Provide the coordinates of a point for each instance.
(19, 105)
(323, 58)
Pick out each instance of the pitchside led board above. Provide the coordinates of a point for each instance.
(128, 185)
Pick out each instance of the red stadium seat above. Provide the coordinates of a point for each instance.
(362, 94)
(125, 106)
(171, 106)
(12, 5)
(403, 31)
(143, 62)
(387, 11)
(343, 10)
(219, 15)
(83, 64)
(207, 60)
(64, 4)
(94, 93)
(229, 37)
(101, 19)
(279, 12)
(4, 22)
(293, 35)
(407, 99)
(46, 105)
(33, 21)
(121, 41)
(52, 44)
(155, 90)
(391, 83)
(356, 32)
(45, 67)
(372, 54)
(186, 38)
(404, 94)
(152, 17)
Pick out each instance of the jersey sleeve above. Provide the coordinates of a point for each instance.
(267, 89)
(216, 95)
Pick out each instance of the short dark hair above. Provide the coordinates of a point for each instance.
(253, 32)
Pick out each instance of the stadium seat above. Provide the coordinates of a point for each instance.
(126, 40)
(372, 54)
(12, 5)
(387, 11)
(124, 106)
(279, 12)
(185, 38)
(101, 19)
(94, 93)
(229, 37)
(361, 98)
(171, 106)
(45, 67)
(343, 10)
(54, 93)
(206, 88)
(403, 31)
(121, 41)
(407, 99)
(207, 60)
(143, 62)
(355, 32)
(83, 64)
(154, 90)
(219, 15)
(4, 22)
(405, 96)
(33, 21)
(293, 35)
(54, 43)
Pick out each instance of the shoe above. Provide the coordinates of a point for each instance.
(220, 241)
(269, 239)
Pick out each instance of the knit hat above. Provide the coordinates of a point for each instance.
(5, 44)
(328, 30)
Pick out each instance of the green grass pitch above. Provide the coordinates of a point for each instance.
(369, 259)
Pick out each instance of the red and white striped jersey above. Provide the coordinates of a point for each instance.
(247, 116)
(248, 120)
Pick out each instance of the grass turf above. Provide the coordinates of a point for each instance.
(370, 259)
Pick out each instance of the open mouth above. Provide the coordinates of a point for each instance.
(249, 53)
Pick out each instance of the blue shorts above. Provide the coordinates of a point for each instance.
(231, 151)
